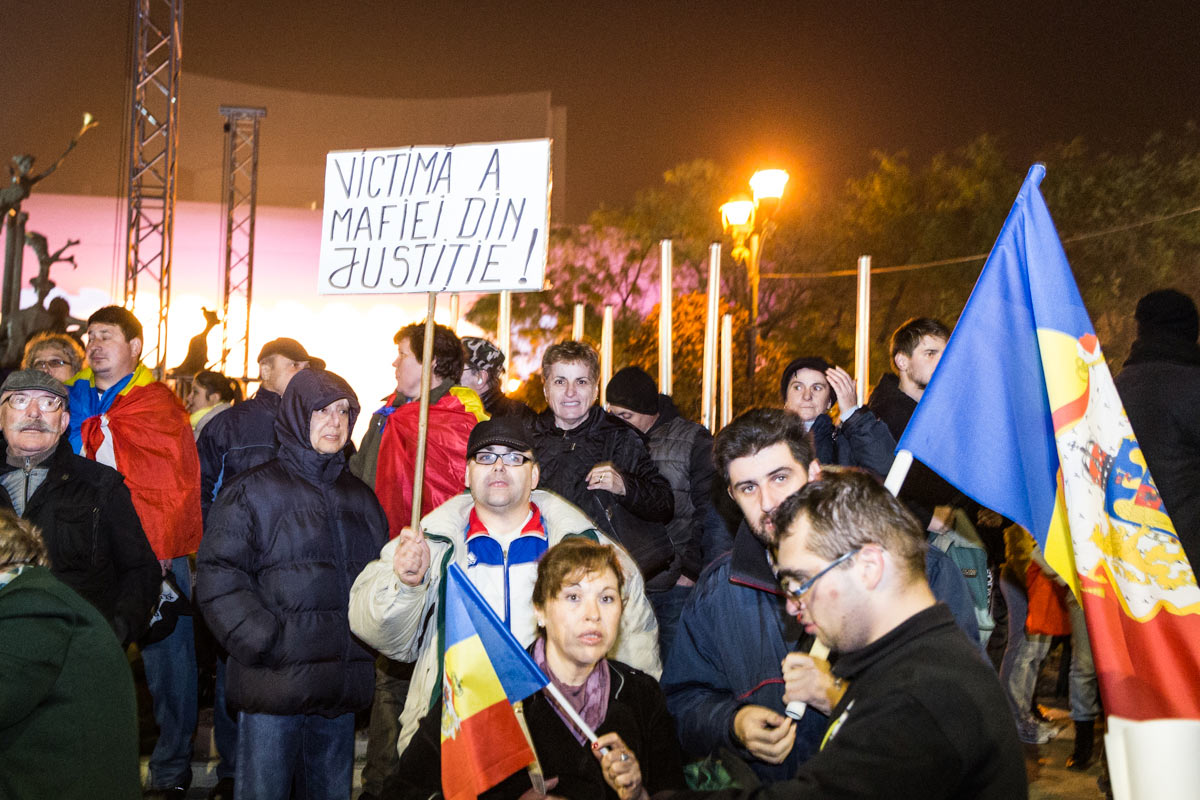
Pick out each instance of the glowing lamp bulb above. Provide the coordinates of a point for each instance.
(768, 184)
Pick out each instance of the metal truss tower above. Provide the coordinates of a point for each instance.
(153, 148)
(240, 199)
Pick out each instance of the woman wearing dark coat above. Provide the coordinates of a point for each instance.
(599, 462)
(809, 386)
(284, 541)
(577, 599)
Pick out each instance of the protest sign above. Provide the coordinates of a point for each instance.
(459, 218)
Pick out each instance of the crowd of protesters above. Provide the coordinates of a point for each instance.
(831, 643)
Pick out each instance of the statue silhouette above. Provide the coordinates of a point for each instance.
(197, 354)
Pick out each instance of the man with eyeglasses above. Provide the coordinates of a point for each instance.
(724, 679)
(386, 461)
(93, 536)
(496, 533)
(921, 714)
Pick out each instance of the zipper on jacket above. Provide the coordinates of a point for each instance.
(28, 468)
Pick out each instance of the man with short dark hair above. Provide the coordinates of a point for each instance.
(122, 417)
(386, 461)
(496, 534)
(92, 532)
(918, 713)
(917, 347)
(483, 369)
(723, 677)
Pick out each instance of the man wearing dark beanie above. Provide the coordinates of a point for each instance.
(1160, 388)
(682, 451)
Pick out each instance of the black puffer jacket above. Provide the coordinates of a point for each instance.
(283, 544)
(636, 519)
(94, 538)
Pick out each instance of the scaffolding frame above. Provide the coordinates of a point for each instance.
(153, 152)
(240, 200)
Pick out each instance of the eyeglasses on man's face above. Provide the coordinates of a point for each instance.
(45, 402)
(796, 591)
(510, 459)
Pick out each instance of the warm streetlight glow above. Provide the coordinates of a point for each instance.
(768, 184)
(513, 384)
(737, 214)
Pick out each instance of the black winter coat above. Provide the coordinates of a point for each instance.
(923, 489)
(862, 441)
(636, 519)
(94, 538)
(283, 544)
(236, 440)
(636, 710)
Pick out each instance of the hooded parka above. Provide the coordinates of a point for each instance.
(283, 544)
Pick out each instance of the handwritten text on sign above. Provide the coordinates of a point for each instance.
(464, 218)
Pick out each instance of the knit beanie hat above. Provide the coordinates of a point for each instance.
(1167, 311)
(632, 388)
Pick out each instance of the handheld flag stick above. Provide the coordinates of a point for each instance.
(899, 471)
(570, 711)
(423, 418)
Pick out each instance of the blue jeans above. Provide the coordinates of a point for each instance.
(668, 605)
(224, 726)
(307, 752)
(171, 678)
(1025, 653)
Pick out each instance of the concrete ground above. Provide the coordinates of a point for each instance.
(1049, 779)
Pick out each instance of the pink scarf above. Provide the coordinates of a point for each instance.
(590, 699)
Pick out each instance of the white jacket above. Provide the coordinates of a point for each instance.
(402, 622)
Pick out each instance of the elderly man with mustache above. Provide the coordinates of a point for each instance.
(94, 538)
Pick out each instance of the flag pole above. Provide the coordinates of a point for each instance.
(862, 329)
(423, 419)
(899, 471)
(570, 711)
(664, 321)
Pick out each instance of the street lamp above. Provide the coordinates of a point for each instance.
(749, 222)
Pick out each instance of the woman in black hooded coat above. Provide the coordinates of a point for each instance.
(284, 542)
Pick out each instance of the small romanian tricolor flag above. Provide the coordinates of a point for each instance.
(485, 671)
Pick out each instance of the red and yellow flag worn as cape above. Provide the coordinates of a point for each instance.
(451, 419)
(146, 436)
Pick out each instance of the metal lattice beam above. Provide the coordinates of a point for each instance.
(153, 148)
(240, 200)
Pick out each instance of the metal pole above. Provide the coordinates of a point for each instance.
(752, 331)
(726, 369)
(664, 321)
(504, 334)
(862, 329)
(606, 356)
(577, 324)
(423, 416)
(708, 396)
(454, 313)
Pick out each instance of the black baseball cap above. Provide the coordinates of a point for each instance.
(506, 431)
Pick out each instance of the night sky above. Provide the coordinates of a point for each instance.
(814, 87)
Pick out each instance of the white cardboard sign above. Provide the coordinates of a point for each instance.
(460, 218)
